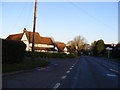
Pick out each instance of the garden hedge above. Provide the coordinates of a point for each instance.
(50, 55)
(12, 51)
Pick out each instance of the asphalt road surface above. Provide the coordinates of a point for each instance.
(83, 72)
(36, 78)
(91, 72)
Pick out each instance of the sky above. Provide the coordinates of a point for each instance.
(63, 20)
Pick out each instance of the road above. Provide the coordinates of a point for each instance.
(39, 78)
(91, 72)
(83, 72)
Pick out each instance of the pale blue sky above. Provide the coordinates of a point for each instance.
(63, 20)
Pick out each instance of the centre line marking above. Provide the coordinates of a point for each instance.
(68, 72)
(63, 77)
(105, 65)
(114, 71)
(56, 86)
(70, 68)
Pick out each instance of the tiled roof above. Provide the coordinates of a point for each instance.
(15, 37)
(37, 38)
(60, 46)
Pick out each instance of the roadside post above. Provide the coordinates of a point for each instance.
(108, 49)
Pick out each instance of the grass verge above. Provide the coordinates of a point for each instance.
(25, 65)
(115, 59)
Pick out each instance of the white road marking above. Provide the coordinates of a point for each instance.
(105, 65)
(56, 86)
(111, 75)
(70, 68)
(68, 72)
(114, 71)
(63, 77)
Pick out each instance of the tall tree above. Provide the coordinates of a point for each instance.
(93, 48)
(78, 43)
(100, 47)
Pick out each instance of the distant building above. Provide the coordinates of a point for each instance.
(87, 46)
(110, 46)
(61, 47)
(118, 47)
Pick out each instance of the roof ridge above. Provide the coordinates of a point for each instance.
(15, 34)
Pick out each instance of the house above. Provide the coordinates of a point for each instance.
(87, 47)
(61, 47)
(42, 44)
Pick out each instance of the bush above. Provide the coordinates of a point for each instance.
(115, 53)
(59, 55)
(46, 54)
(72, 55)
(12, 51)
(36, 54)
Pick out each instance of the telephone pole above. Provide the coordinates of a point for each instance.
(34, 27)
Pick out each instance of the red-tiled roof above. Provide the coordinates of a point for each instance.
(37, 38)
(15, 37)
(60, 46)
(46, 40)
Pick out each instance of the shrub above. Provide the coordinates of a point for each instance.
(115, 53)
(12, 51)
(72, 55)
(46, 54)
(36, 54)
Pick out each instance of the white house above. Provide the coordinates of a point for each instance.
(42, 44)
(61, 47)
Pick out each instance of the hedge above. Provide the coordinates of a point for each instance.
(71, 55)
(115, 53)
(12, 51)
(50, 55)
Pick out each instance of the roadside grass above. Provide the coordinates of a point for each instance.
(112, 59)
(115, 59)
(25, 65)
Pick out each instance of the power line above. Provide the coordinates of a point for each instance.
(88, 14)
(27, 19)
(18, 17)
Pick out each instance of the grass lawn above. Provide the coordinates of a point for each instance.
(25, 65)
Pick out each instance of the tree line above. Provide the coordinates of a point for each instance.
(97, 48)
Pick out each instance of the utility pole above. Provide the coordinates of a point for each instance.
(34, 27)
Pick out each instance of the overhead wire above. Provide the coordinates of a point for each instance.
(90, 15)
(18, 18)
(28, 19)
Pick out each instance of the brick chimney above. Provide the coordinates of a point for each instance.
(24, 30)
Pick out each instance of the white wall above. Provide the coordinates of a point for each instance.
(25, 40)
(43, 45)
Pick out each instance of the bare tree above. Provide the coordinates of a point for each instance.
(78, 43)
